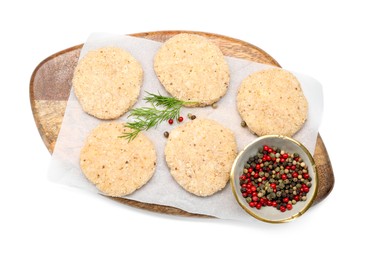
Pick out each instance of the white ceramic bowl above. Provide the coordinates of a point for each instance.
(268, 213)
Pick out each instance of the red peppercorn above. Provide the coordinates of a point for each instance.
(251, 180)
(170, 121)
(180, 119)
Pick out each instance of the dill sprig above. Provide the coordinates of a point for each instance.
(149, 117)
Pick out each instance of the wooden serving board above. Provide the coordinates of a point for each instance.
(51, 83)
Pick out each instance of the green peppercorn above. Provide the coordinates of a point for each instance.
(214, 105)
(268, 182)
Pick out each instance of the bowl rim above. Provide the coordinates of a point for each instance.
(316, 178)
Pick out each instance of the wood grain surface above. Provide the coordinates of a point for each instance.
(51, 83)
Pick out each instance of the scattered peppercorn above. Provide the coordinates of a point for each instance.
(275, 178)
(243, 123)
(193, 117)
(166, 134)
(214, 105)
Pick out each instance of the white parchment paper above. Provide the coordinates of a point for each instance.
(162, 188)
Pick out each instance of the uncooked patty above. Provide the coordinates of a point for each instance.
(107, 82)
(272, 102)
(191, 68)
(200, 155)
(117, 167)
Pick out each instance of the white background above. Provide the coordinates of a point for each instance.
(39, 219)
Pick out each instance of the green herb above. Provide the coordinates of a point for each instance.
(162, 109)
